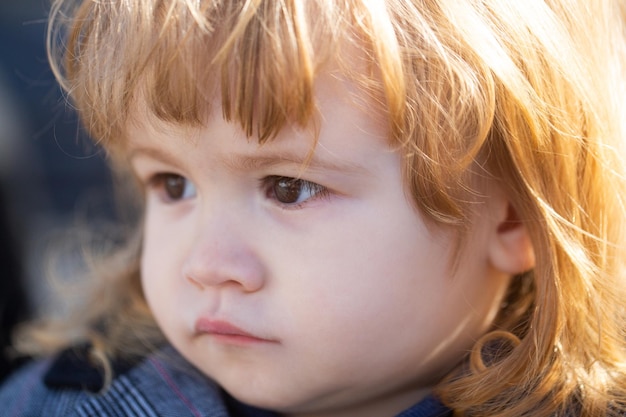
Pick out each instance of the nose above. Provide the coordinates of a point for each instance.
(222, 256)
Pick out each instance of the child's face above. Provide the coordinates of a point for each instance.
(309, 295)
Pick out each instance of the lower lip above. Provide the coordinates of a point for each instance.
(227, 334)
(235, 339)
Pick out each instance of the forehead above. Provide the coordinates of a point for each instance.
(343, 114)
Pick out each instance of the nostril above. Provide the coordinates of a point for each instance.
(195, 282)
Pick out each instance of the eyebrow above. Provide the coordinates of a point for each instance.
(154, 153)
(266, 160)
(272, 159)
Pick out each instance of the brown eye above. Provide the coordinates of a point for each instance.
(287, 190)
(174, 187)
(290, 191)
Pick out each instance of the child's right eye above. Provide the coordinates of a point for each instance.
(173, 187)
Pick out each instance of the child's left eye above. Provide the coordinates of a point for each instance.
(292, 191)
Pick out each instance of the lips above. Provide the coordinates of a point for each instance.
(226, 332)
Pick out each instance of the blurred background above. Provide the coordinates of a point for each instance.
(49, 170)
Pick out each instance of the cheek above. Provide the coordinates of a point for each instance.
(361, 272)
(160, 272)
(382, 278)
(155, 261)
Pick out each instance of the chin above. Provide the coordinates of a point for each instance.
(278, 401)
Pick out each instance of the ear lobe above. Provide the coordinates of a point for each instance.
(511, 250)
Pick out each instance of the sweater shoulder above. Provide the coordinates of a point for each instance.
(161, 385)
(25, 394)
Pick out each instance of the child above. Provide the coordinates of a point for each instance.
(351, 208)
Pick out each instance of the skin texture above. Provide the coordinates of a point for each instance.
(341, 301)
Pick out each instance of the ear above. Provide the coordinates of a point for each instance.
(510, 248)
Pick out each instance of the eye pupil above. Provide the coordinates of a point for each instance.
(174, 186)
(287, 190)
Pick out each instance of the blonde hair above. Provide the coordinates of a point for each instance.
(529, 93)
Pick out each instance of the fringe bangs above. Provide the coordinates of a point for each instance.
(175, 57)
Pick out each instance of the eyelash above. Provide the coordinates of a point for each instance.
(315, 190)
